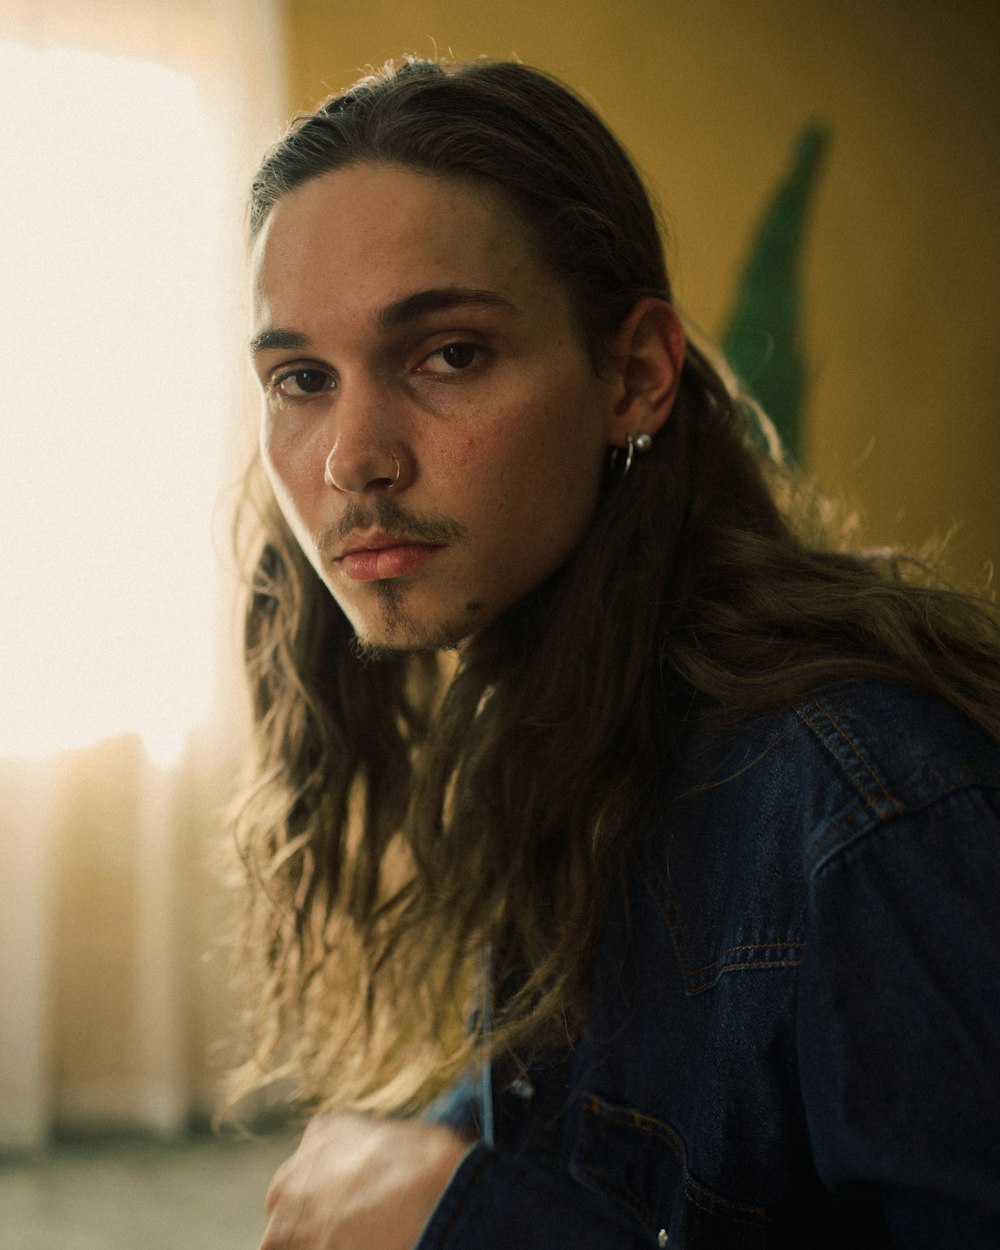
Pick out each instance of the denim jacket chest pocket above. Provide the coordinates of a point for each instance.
(686, 1124)
(680, 1125)
(639, 1162)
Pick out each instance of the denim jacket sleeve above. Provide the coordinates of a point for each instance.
(899, 1019)
(500, 1202)
(497, 1200)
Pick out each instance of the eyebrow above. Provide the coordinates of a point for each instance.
(436, 299)
(278, 340)
(393, 316)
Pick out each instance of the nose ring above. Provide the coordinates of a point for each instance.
(329, 480)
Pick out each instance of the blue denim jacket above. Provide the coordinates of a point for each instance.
(794, 1034)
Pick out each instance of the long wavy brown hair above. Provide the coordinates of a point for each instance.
(406, 816)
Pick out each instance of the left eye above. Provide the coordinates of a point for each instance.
(453, 358)
(459, 355)
(299, 383)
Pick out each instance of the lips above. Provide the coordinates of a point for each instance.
(378, 541)
(379, 557)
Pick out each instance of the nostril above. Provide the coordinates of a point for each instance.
(352, 478)
(390, 482)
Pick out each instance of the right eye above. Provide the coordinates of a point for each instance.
(302, 383)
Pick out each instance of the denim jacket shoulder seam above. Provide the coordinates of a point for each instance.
(845, 750)
(838, 836)
(878, 801)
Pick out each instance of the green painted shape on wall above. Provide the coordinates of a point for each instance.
(763, 337)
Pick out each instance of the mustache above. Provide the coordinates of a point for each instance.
(388, 514)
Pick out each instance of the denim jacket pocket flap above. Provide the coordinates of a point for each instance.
(640, 1163)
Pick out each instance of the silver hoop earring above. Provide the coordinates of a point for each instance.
(634, 443)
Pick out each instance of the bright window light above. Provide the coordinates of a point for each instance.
(112, 400)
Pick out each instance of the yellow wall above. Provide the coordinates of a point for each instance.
(902, 274)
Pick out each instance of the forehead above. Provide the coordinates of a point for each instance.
(368, 235)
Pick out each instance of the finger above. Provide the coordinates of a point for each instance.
(276, 1189)
(289, 1227)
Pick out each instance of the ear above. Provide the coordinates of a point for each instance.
(645, 356)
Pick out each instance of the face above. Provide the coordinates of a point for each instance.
(433, 425)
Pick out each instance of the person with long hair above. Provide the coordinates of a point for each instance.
(622, 849)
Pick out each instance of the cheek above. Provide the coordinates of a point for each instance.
(291, 467)
(493, 474)
(273, 452)
(539, 472)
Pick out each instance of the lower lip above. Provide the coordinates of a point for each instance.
(388, 562)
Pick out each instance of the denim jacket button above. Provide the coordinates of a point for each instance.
(662, 1237)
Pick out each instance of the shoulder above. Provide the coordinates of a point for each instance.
(898, 747)
(818, 776)
(853, 794)
(897, 751)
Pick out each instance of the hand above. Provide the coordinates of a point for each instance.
(360, 1184)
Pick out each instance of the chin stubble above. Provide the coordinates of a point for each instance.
(397, 623)
(391, 516)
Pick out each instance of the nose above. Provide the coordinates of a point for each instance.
(359, 479)
(367, 453)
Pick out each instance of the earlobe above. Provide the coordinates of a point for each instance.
(647, 354)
